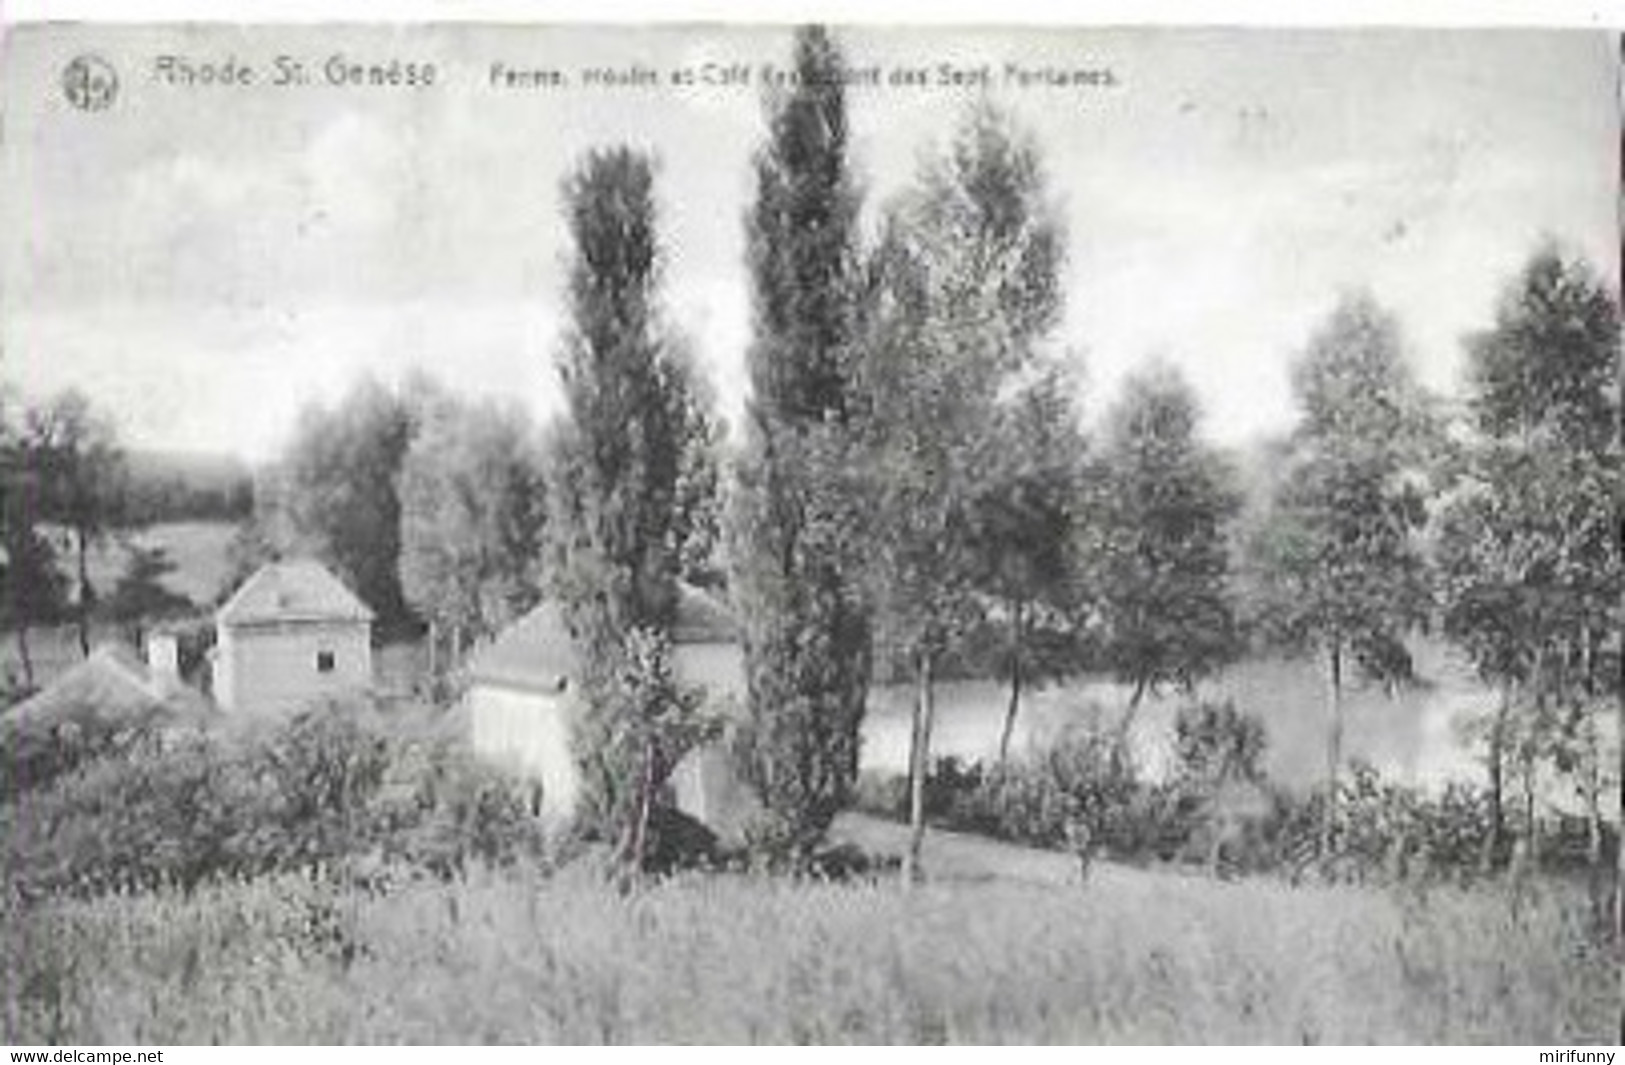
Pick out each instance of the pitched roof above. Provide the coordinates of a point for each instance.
(534, 653)
(703, 618)
(108, 690)
(537, 652)
(292, 590)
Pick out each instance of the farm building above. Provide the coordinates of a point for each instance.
(110, 701)
(520, 708)
(292, 633)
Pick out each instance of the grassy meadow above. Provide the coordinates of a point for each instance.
(515, 956)
(1003, 945)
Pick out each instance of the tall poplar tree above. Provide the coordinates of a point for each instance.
(795, 526)
(613, 526)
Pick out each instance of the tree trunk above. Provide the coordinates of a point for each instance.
(84, 592)
(1334, 743)
(1497, 768)
(638, 830)
(1015, 687)
(1530, 825)
(1596, 870)
(919, 761)
(24, 654)
(1126, 725)
(1594, 833)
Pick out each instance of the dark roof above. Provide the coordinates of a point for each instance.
(537, 653)
(292, 590)
(110, 689)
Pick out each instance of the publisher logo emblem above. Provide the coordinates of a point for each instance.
(89, 83)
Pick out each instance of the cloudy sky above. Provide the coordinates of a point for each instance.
(205, 261)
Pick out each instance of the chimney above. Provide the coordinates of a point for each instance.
(164, 662)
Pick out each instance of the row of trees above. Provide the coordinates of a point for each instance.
(915, 489)
(915, 464)
(915, 476)
(916, 480)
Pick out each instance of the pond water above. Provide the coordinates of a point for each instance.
(1417, 734)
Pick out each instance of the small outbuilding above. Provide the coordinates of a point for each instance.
(291, 634)
(520, 706)
(110, 702)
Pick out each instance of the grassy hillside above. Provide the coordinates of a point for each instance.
(513, 957)
(198, 549)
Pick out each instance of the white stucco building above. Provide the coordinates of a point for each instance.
(291, 634)
(520, 706)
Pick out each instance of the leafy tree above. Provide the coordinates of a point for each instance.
(968, 286)
(31, 589)
(1338, 557)
(1027, 517)
(614, 542)
(82, 474)
(337, 494)
(140, 594)
(1531, 576)
(794, 525)
(471, 497)
(1162, 560)
(627, 755)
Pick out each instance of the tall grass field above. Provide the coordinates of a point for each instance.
(515, 956)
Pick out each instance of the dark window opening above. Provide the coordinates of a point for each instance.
(324, 661)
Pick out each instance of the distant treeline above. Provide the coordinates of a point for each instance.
(166, 486)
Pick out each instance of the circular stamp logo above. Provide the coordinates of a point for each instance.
(90, 83)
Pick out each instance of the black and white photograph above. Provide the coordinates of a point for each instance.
(810, 533)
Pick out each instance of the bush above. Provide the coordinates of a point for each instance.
(340, 785)
(1215, 742)
(1083, 778)
(1217, 807)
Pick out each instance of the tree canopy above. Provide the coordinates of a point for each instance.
(1162, 553)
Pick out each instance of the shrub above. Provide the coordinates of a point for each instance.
(1215, 742)
(1083, 777)
(340, 785)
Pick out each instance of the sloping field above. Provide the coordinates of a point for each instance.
(200, 553)
(198, 549)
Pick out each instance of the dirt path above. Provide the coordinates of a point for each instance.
(959, 856)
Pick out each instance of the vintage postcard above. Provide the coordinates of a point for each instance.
(766, 534)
